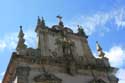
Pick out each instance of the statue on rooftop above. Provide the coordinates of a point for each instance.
(81, 31)
(60, 20)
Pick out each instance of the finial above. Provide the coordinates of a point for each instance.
(20, 27)
(43, 22)
(38, 20)
(99, 49)
(59, 17)
(21, 41)
(40, 24)
(60, 20)
(42, 18)
(21, 34)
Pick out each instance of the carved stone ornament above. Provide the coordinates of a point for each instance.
(45, 76)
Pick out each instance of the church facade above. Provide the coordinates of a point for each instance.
(61, 56)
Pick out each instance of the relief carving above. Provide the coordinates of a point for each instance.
(45, 76)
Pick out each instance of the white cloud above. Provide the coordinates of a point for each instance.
(120, 18)
(2, 74)
(30, 37)
(10, 40)
(2, 45)
(116, 56)
(121, 75)
(98, 21)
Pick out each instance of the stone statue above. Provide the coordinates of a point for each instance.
(81, 31)
(60, 20)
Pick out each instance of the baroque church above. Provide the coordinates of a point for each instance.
(61, 56)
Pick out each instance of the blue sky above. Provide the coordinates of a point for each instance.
(103, 21)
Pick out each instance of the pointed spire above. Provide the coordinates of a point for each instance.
(40, 24)
(21, 34)
(21, 41)
(99, 49)
(38, 20)
(43, 22)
